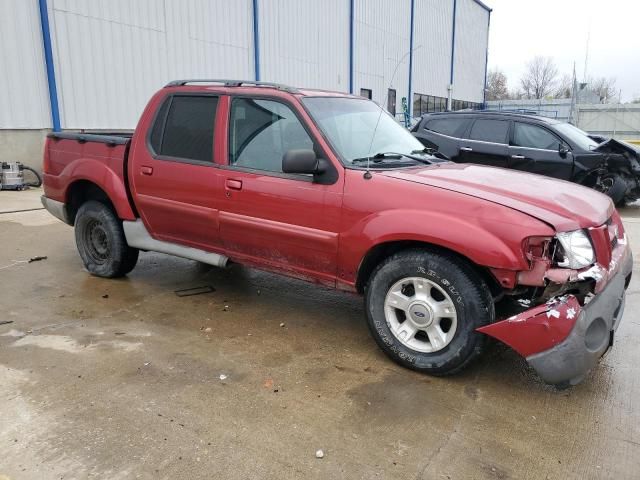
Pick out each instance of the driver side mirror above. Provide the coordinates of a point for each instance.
(302, 161)
(563, 150)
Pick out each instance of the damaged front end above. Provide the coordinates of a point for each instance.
(613, 168)
(562, 313)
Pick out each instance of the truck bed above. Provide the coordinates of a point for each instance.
(75, 156)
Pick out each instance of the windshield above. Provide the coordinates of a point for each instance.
(350, 126)
(576, 136)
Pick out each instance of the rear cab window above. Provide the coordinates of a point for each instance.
(489, 130)
(452, 127)
(184, 128)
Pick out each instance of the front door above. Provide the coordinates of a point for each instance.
(486, 143)
(174, 176)
(280, 221)
(535, 149)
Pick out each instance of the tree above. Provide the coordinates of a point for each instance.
(564, 87)
(604, 88)
(539, 79)
(497, 85)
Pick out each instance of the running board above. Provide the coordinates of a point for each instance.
(138, 237)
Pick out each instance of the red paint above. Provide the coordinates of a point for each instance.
(323, 233)
(537, 329)
(533, 330)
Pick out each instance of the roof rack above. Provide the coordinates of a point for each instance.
(233, 83)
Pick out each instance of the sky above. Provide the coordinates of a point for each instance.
(522, 29)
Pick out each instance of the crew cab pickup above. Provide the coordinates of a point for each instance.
(328, 188)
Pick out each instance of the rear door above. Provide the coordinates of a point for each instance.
(534, 148)
(269, 218)
(173, 173)
(486, 143)
(443, 133)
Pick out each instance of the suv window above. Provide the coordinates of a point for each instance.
(261, 132)
(532, 136)
(453, 127)
(188, 123)
(494, 131)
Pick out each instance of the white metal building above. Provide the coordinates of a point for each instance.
(74, 64)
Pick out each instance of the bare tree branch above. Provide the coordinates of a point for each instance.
(540, 78)
(497, 85)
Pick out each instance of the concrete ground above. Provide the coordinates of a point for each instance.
(124, 379)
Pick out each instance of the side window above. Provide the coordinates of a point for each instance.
(532, 136)
(494, 131)
(366, 93)
(184, 128)
(261, 132)
(453, 127)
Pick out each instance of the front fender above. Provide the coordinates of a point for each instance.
(490, 243)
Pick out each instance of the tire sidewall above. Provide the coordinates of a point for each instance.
(465, 290)
(618, 190)
(87, 213)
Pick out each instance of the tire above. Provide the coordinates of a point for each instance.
(454, 289)
(101, 243)
(615, 188)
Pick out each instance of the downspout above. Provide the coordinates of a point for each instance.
(48, 58)
(453, 50)
(410, 94)
(351, 42)
(256, 41)
(486, 63)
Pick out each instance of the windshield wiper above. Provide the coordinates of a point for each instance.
(433, 152)
(382, 156)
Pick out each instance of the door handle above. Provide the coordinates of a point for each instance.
(234, 184)
(466, 149)
(518, 157)
(146, 170)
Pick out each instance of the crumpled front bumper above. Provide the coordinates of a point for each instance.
(562, 340)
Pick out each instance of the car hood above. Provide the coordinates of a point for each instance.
(615, 146)
(563, 205)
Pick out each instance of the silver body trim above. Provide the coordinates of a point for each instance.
(138, 236)
(55, 208)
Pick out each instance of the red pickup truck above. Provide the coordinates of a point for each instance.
(327, 187)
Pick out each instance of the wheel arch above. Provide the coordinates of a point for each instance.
(82, 191)
(381, 251)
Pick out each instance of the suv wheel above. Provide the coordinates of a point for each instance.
(101, 243)
(423, 309)
(615, 187)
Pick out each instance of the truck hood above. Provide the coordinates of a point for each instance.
(563, 205)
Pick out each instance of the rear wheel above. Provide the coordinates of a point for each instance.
(423, 309)
(101, 243)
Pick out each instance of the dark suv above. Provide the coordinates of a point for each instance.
(534, 144)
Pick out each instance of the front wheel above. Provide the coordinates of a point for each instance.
(614, 187)
(423, 309)
(101, 242)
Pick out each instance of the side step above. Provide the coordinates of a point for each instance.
(138, 237)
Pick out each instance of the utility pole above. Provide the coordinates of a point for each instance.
(615, 120)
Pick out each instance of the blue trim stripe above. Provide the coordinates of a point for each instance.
(486, 61)
(48, 58)
(410, 93)
(453, 40)
(351, 42)
(256, 41)
(483, 5)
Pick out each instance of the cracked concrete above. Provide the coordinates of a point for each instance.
(129, 385)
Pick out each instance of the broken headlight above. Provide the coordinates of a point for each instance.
(574, 250)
